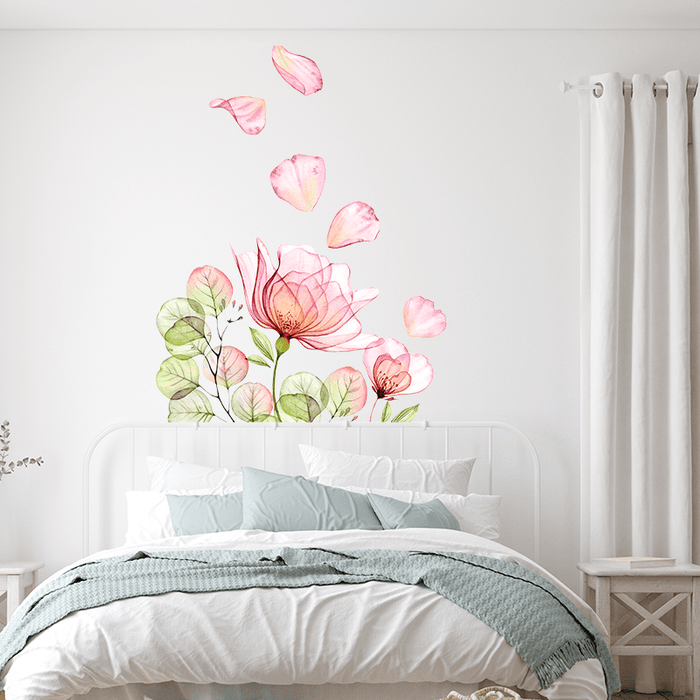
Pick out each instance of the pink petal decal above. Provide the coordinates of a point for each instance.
(249, 112)
(354, 223)
(422, 319)
(299, 180)
(300, 72)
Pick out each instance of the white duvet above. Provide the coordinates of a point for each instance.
(343, 634)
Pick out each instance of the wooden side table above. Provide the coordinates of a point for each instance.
(662, 590)
(17, 578)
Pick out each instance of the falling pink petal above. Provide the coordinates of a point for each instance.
(422, 319)
(249, 112)
(299, 180)
(354, 223)
(300, 72)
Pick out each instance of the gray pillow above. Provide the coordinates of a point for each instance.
(195, 515)
(394, 514)
(279, 503)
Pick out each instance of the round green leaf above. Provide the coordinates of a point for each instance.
(186, 330)
(194, 408)
(196, 347)
(300, 406)
(347, 392)
(211, 288)
(252, 402)
(175, 309)
(309, 385)
(177, 378)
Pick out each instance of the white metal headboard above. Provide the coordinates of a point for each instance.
(116, 460)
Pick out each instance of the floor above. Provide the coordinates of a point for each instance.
(631, 695)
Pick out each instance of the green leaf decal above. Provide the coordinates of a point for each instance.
(307, 384)
(347, 392)
(174, 310)
(177, 378)
(386, 413)
(300, 406)
(210, 288)
(262, 343)
(194, 408)
(407, 415)
(186, 330)
(252, 402)
(257, 360)
(193, 349)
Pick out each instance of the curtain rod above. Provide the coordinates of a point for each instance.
(597, 88)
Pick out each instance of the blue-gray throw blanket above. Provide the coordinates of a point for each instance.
(542, 624)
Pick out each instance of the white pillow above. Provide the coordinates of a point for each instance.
(148, 514)
(169, 475)
(476, 513)
(426, 475)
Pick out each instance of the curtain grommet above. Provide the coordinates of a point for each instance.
(598, 90)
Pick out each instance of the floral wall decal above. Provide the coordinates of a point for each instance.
(300, 296)
(422, 319)
(249, 112)
(299, 180)
(354, 223)
(299, 71)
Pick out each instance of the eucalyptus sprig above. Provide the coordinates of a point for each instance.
(6, 468)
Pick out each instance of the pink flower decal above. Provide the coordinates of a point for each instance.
(249, 112)
(232, 366)
(299, 180)
(354, 223)
(304, 297)
(300, 72)
(393, 371)
(422, 319)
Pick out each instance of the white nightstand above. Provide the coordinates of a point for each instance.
(17, 578)
(662, 589)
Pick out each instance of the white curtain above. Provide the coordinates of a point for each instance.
(639, 316)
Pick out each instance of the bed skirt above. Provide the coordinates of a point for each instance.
(256, 691)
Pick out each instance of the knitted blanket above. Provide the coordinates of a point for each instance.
(541, 623)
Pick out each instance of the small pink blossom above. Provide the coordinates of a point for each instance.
(299, 71)
(393, 370)
(304, 297)
(249, 112)
(422, 319)
(354, 223)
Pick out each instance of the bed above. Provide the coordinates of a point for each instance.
(358, 561)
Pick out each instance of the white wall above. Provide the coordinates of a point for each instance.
(116, 179)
